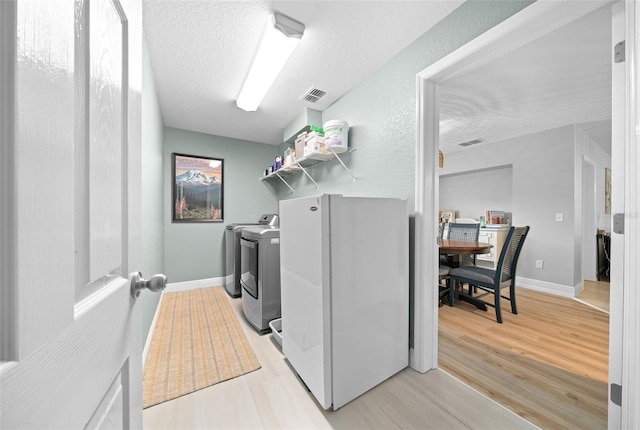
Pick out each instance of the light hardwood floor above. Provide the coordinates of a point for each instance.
(272, 397)
(549, 363)
(596, 293)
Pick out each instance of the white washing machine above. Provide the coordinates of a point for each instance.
(260, 275)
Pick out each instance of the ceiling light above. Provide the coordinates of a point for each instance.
(278, 42)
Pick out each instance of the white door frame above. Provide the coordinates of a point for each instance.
(586, 189)
(630, 414)
(618, 156)
(532, 22)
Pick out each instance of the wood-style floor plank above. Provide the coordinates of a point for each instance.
(272, 397)
(548, 364)
(596, 294)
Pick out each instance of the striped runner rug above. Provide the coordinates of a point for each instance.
(197, 342)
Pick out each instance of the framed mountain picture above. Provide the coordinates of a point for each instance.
(197, 188)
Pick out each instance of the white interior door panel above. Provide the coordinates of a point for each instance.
(70, 86)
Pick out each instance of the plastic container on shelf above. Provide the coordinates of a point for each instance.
(336, 135)
(300, 141)
(288, 156)
(314, 142)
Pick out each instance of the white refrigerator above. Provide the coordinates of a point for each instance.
(344, 265)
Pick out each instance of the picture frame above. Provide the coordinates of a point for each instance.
(447, 216)
(607, 191)
(198, 188)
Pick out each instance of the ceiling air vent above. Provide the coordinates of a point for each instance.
(471, 142)
(313, 95)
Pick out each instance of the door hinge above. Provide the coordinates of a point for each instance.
(616, 394)
(618, 223)
(618, 52)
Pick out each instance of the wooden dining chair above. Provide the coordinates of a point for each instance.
(492, 281)
(456, 231)
(444, 287)
(465, 231)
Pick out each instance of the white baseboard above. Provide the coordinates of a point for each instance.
(579, 288)
(193, 285)
(175, 287)
(546, 287)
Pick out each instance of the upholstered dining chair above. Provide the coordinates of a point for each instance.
(493, 281)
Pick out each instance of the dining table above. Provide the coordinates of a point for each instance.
(464, 247)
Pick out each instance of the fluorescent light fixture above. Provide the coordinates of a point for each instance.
(281, 37)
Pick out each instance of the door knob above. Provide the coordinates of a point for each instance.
(138, 283)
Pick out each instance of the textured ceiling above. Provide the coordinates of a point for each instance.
(201, 50)
(559, 79)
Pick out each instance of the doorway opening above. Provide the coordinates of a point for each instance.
(434, 83)
(595, 239)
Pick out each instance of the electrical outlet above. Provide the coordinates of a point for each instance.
(539, 264)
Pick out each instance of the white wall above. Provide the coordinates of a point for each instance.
(587, 147)
(470, 194)
(543, 186)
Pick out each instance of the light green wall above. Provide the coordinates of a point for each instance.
(152, 192)
(381, 113)
(381, 110)
(196, 250)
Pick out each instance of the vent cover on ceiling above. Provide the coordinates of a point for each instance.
(471, 142)
(313, 95)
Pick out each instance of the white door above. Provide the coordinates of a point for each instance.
(69, 158)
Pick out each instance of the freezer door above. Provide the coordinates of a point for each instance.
(305, 294)
(369, 293)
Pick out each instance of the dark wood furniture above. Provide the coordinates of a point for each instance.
(457, 249)
(492, 281)
(462, 247)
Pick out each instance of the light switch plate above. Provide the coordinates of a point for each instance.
(559, 217)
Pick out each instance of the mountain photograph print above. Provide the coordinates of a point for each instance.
(197, 188)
